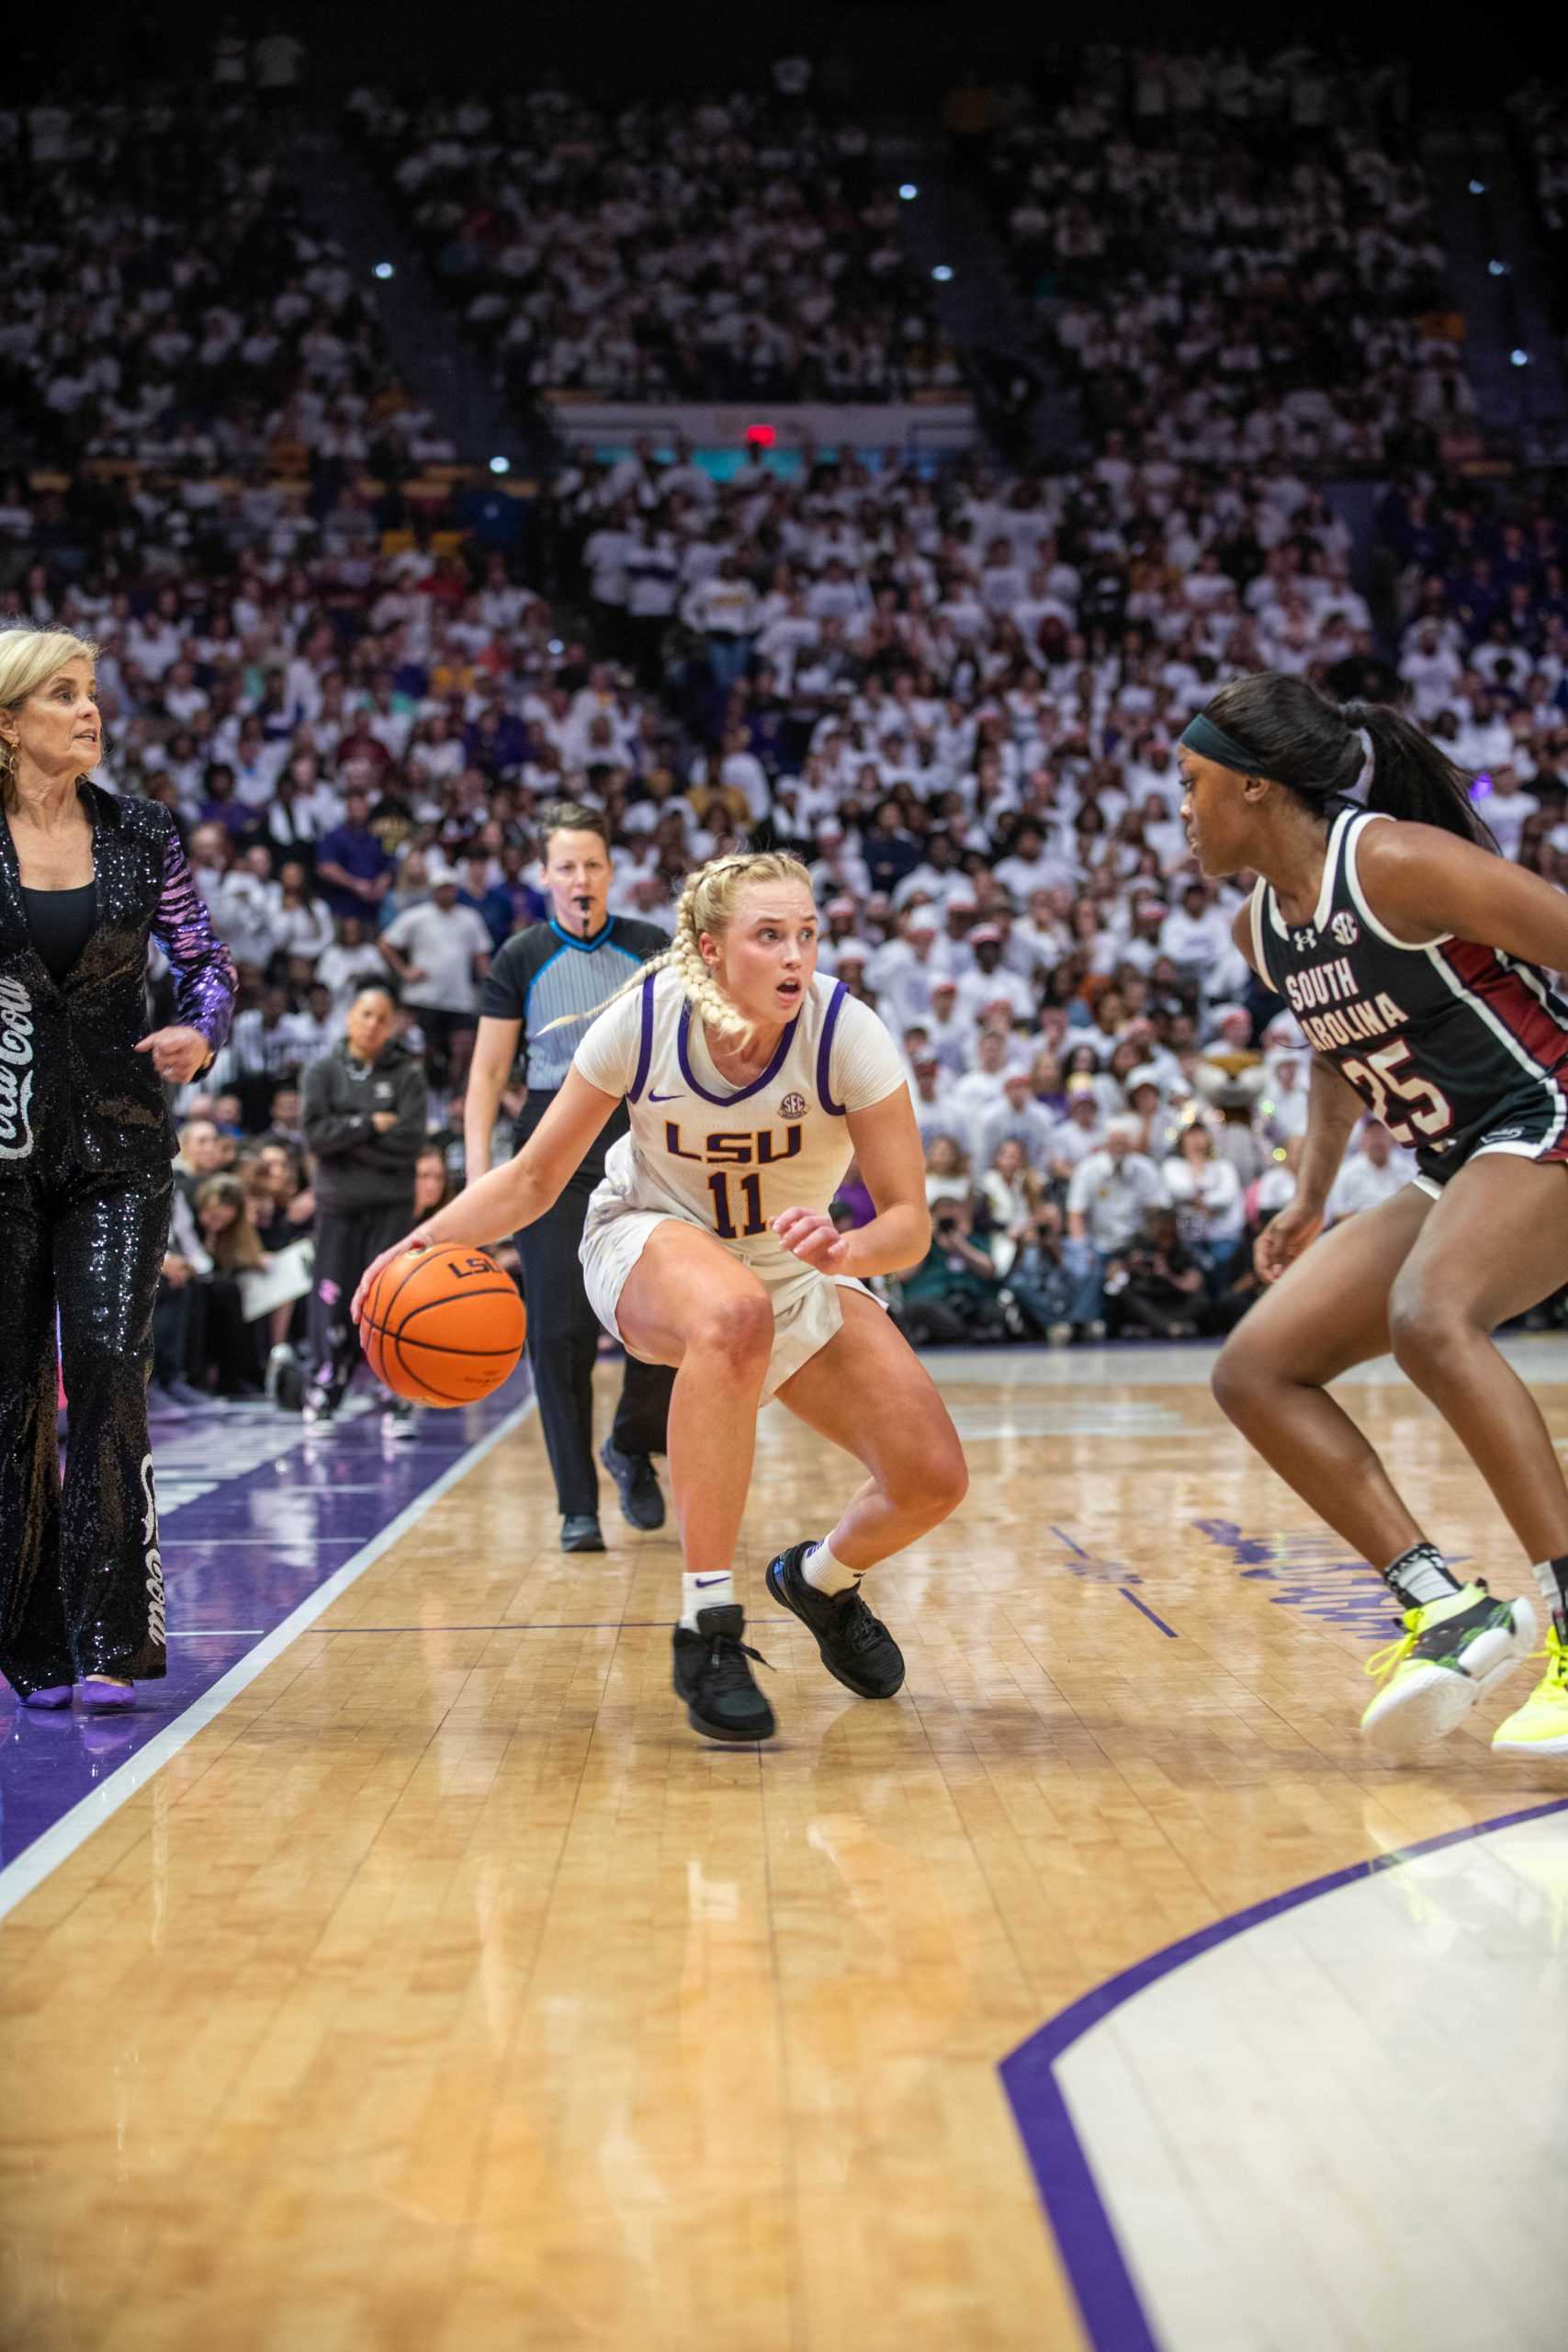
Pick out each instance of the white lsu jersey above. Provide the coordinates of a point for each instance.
(730, 1158)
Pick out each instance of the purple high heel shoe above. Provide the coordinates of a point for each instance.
(53, 1694)
(101, 1698)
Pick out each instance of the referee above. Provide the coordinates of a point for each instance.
(570, 964)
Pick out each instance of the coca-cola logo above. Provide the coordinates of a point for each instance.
(16, 1069)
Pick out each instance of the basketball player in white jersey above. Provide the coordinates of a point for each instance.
(750, 1081)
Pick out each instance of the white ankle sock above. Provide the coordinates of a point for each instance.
(825, 1571)
(1551, 1575)
(703, 1592)
(1419, 1576)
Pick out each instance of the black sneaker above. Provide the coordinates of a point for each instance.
(856, 1648)
(579, 1531)
(642, 1498)
(712, 1677)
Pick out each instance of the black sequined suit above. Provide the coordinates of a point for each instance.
(85, 1142)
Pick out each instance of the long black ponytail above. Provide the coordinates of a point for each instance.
(1313, 748)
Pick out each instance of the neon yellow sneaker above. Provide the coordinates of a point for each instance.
(1450, 1652)
(1540, 1726)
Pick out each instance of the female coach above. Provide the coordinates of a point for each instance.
(85, 1142)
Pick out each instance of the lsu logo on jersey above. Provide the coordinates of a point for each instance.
(734, 1147)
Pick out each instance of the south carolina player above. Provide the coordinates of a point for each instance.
(750, 1081)
(1413, 957)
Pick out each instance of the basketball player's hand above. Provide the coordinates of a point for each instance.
(177, 1053)
(1282, 1241)
(810, 1235)
(418, 1240)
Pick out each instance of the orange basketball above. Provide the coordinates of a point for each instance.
(443, 1327)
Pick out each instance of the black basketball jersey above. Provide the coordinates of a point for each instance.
(1458, 1047)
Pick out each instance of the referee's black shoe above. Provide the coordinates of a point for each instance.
(581, 1532)
(712, 1675)
(856, 1648)
(642, 1498)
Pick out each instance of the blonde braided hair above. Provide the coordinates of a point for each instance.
(708, 902)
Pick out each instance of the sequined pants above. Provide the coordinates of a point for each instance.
(81, 1581)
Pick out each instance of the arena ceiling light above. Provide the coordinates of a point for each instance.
(908, 191)
(941, 273)
(383, 269)
(1519, 358)
(1498, 269)
(1478, 187)
(501, 465)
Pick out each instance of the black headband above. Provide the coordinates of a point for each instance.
(1212, 743)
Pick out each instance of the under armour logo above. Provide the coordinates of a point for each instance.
(1305, 939)
(1346, 929)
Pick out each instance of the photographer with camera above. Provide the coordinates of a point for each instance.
(953, 1294)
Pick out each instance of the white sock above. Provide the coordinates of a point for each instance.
(1419, 1576)
(825, 1572)
(703, 1592)
(1552, 1578)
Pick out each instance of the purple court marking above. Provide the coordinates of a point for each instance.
(1168, 1631)
(240, 1552)
(1068, 1540)
(1113, 2316)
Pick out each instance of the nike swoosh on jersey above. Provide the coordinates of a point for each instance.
(664, 1098)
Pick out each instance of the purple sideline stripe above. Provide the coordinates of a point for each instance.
(299, 1525)
(1108, 2299)
(1168, 1631)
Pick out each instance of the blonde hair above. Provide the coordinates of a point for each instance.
(708, 902)
(29, 656)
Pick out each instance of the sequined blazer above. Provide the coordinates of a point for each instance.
(73, 1089)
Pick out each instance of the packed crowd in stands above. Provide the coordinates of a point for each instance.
(1234, 257)
(1540, 117)
(730, 248)
(956, 697)
(244, 350)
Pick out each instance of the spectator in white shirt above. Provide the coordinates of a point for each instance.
(1369, 1176)
(440, 951)
(1195, 934)
(1109, 1193)
(1207, 1195)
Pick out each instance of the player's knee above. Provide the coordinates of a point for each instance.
(1239, 1382)
(738, 1326)
(1423, 1323)
(945, 1477)
(931, 1477)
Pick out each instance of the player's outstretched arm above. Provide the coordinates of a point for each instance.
(512, 1196)
(1333, 1109)
(893, 1168)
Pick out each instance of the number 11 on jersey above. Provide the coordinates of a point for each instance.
(718, 1185)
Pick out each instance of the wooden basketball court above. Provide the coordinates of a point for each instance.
(444, 1991)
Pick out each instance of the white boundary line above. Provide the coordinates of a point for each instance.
(45, 1853)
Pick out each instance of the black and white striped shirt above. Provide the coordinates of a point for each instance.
(544, 972)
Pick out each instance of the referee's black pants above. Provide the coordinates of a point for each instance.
(563, 1345)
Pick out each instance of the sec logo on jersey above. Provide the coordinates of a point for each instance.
(1346, 929)
(793, 1107)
